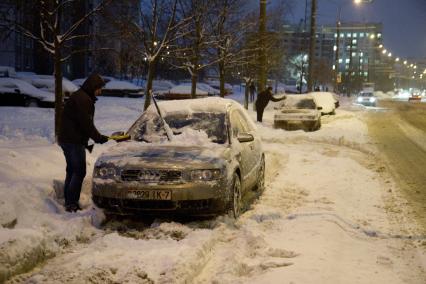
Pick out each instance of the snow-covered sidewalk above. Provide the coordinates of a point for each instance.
(330, 214)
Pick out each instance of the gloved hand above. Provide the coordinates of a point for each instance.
(103, 139)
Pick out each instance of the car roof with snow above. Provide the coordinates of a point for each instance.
(211, 104)
(186, 89)
(120, 85)
(26, 88)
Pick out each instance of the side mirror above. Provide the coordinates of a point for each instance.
(319, 108)
(245, 137)
(17, 91)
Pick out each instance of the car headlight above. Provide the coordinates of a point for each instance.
(205, 175)
(359, 99)
(372, 100)
(105, 172)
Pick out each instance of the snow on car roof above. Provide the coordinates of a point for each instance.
(27, 88)
(293, 100)
(212, 104)
(121, 85)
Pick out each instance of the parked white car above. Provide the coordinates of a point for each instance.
(47, 83)
(298, 111)
(325, 100)
(15, 92)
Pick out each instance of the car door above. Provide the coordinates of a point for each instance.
(245, 149)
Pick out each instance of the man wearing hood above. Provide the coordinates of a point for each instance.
(75, 130)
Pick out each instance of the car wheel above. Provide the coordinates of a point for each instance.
(260, 187)
(31, 103)
(236, 201)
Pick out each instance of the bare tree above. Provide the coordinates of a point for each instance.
(53, 37)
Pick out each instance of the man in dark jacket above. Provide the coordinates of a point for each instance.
(75, 130)
(252, 89)
(262, 101)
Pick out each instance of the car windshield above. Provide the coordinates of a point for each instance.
(305, 104)
(149, 129)
(366, 94)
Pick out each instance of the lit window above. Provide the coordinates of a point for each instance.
(347, 60)
(348, 35)
(361, 60)
(361, 35)
(347, 67)
(342, 35)
(361, 54)
(354, 35)
(335, 48)
(354, 41)
(340, 60)
(379, 35)
(353, 54)
(335, 35)
(365, 74)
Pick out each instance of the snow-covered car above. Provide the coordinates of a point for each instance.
(47, 83)
(118, 88)
(366, 99)
(298, 111)
(326, 100)
(181, 92)
(15, 92)
(213, 164)
(205, 87)
(216, 85)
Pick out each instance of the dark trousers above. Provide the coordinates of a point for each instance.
(251, 96)
(75, 156)
(259, 111)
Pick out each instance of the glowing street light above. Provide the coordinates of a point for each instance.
(384, 51)
(373, 36)
(397, 59)
(381, 46)
(390, 54)
(405, 62)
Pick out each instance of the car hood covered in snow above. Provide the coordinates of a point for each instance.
(167, 155)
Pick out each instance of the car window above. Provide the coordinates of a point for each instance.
(238, 124)
(150, 129)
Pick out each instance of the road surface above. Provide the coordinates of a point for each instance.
(400, 133)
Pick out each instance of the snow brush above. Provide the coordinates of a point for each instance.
(119, 138)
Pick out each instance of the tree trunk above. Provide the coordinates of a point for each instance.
(58, 88)
(194, 78)
(150, 78)
(246, 93)
(312, 41)
(262, 44)
(222, 78)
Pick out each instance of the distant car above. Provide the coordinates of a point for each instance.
(415, 98)
(118, 88)
(205, 87)
(366, 99)
(47, 83)
(181, 92)
(298, 111)
(326, 100)
(220, 171)
(15, 92)
(216, 85)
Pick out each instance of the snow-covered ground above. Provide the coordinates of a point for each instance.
(330, 213)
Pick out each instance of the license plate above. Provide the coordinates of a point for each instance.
(150, 194)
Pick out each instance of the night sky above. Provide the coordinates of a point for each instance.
(404, 21)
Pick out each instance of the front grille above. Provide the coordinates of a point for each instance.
(151, 175)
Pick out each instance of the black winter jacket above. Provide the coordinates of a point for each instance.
(264, 97)
(77, 118)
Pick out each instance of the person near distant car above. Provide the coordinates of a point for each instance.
(262, 101)
(76, 128)
(252, 89)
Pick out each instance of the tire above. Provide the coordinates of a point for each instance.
(235, 206)
(31, 103)
(260, 187)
